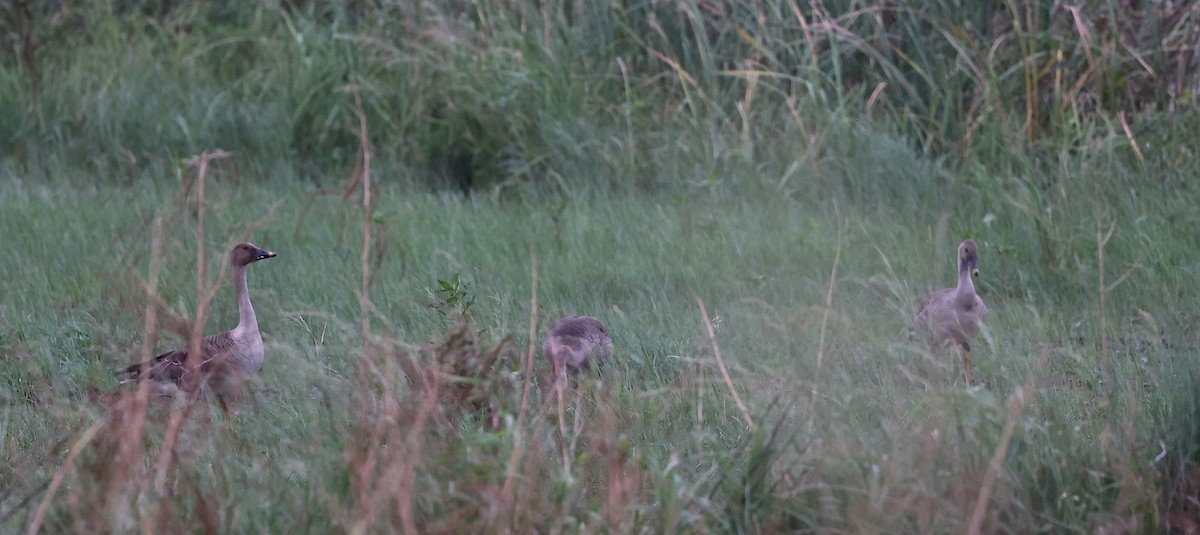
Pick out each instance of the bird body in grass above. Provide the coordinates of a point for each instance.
(577, 344)
(952, 316)
(226, 359)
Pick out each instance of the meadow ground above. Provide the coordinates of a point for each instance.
(851, 422)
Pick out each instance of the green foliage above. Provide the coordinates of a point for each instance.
(454, 298)
(467, 97)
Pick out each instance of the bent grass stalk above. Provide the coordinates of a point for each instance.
(733, 392)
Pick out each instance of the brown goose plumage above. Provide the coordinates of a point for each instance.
(226, 358)
(952, 316)
(576, 343)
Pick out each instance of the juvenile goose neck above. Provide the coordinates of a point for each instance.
(246, 319)
(965, 291)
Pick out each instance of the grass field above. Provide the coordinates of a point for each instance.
(803, 226)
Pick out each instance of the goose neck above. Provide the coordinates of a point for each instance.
(246, 318)
(965, 286)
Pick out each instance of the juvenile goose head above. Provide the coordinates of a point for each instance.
(968, 256)
(247, 253)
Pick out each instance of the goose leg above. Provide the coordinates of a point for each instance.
(967, 362)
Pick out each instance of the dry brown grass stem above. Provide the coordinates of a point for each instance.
(569, 441)
(1022, 29)
(1102, 239)
(388, 417)
(560, 386)
(815, 61)
(875, 94)
(1130, 482)
(204, 296)
(527, 379)
(408, 467)
(1129, 135)
(385, 418)
(837, 258)
(1081, 27)
(397, 479)
(712, 338)
(61, 472)
(135, 420)
(364, 297)
(1015, 405)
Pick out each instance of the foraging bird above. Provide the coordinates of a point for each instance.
(576, 343)
(952, 316)
(225, 358)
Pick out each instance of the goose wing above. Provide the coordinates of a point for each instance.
(930, 301)
(172, 366)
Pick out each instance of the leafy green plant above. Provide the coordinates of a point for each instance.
(454, 298)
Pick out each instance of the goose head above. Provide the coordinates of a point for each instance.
(246, 253)
(968, 255)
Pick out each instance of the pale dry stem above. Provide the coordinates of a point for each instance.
(712, 338)
(560, 386)
(204, 296)
(837, 257)
(1137, 150)
(364, 297)
(61, 472)
(506, 492)
(1015, 405)
(131, 444)
(1102, 289)
(408, 472)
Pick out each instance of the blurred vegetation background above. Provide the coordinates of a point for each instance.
(535, 94)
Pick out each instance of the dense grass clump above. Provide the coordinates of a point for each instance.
(753, 196)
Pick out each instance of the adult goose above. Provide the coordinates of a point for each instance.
(576, 343)
(225, 358)
(952, 316)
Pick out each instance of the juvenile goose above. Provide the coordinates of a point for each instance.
(226, 358)
(952, 316)
(574, 343)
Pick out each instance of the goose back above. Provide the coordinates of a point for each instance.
(221, 359)
(577, 343)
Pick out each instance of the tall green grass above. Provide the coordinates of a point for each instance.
(490, 94)
(805, 172)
